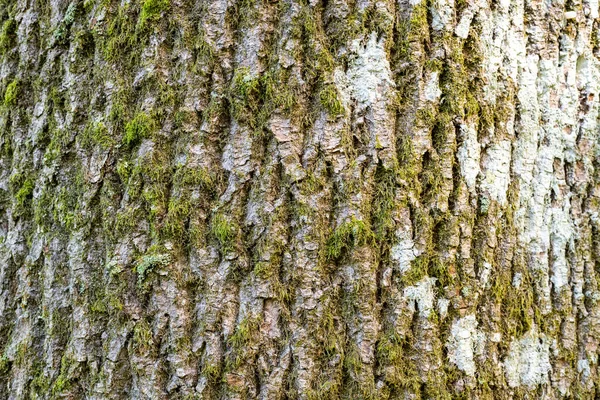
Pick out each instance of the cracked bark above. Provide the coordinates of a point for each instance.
(299, 200)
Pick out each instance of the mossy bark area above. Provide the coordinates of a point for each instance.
(299, 200)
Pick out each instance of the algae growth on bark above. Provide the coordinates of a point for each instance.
(291, 199)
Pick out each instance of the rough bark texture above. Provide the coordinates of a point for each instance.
(240, 199)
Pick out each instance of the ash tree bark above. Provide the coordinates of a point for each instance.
(291, 199)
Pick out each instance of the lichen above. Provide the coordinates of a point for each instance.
(147, 263)
(528, 361)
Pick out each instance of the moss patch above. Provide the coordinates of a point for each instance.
(11, 94)
(139, 128)
(224, 231)
(349, 234)
(330, 101)
(152, 11)
(7, 35)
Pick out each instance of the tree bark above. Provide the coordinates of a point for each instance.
(285, 199)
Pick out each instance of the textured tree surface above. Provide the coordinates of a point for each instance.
(323, 199)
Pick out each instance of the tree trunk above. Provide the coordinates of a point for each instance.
(268, 199)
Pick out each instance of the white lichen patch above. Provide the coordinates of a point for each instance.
(402, 254)
(484, 276)
(517, 279)
(369, 74)
(583, 367)
(560, 238)
(368, 84)
(528, 360)
(464, 342)
(442, 307)
(469, 155)
(503, 44)
(432, 91)
(593, 7)
(464, 24)
(570, 14)
(496, 169)
(442, 13)
(421, 296)
(550, 94)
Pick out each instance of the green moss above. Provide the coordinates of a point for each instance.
(330, 101)
(340, 29)
(11, 94)
(97, 134)
(242, 333)
(311, 184)
(57, 98)
(63, 381)
(195, 177)
(442, 131)
(442, 271)
(115, 303)
(40, 384)
(99, 306)
(139, 128)
(239, 340)
(413, 30)
(253, 99)
(431, 178)
(193, 187)
(66, 204)
(84, 44)
(399, 370)
(124, 170)
(152, 11)
(405, 154)
(245, 97)
(206, 52)
(22, 186)
(4, 365)
(349, 234)
(517, 304)
(59, 139)
(25, 192)
(280, 92)
(377, 19)
(472, 107)
(143, 339)
(211, 372)
(426, 116)
(263, 270)
(178, 212)
(7, 35)
(155, 196)
(154, 177)
(121, 42)
(419, 269)
(384, 203)
(224, 231)
(354, 368)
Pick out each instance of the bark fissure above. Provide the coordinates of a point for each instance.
(298, 200)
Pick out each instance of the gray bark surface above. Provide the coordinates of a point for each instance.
(323, 199)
